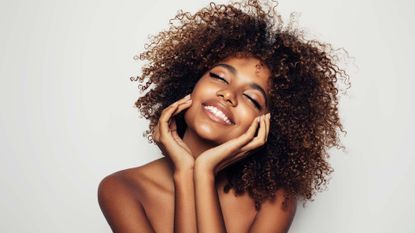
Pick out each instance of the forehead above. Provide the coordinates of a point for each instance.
(249, 69)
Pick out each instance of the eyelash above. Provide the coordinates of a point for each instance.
(213, 75)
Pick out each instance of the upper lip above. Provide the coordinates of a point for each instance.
(222, 108)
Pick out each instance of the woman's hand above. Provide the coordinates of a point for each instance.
(217, 158)
(166, 137)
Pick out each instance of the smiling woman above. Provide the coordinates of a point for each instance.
(232, 90)
(240, 103)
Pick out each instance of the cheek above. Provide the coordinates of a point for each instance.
(244, 117)
(245, 114)
(203, 88)
(244, 126)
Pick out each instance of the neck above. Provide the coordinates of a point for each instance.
(196, 144)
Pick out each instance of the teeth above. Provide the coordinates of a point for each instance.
(218, 113)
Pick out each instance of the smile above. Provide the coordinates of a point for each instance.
(216, 115)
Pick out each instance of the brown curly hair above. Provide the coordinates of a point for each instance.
(303, 95)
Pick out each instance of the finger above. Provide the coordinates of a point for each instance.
(262, 134)
(267, 125)
(164, 120)
(250, 133)
(251, 145)
(234, 145)
(182, 106)
(155, 133)
(172, 125)
(168, 112)
(170, 140)
(182, 100)
(260, 139)
(263, 129)
(173, 129)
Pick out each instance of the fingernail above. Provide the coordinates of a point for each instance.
(268, 115)
(187, 96)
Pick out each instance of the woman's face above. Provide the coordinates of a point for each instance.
(227, 98)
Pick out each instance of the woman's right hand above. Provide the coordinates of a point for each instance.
(166, 137)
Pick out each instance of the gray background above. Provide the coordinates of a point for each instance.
(67, 117)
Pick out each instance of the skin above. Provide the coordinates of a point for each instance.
(183, 192)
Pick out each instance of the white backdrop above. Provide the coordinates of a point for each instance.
(67, 116)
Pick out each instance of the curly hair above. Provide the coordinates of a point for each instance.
(303, 95)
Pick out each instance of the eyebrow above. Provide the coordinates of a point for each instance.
(252, 84)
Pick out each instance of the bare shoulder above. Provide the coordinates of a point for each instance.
(122, 195)
(138, 180)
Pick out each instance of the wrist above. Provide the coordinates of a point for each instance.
(203, 169)
(203, 162)
(183, 172)
(183, 165)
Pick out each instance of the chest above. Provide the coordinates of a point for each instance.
(238, 211)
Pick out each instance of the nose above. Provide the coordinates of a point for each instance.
(228, 96)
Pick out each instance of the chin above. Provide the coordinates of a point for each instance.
(210, 134)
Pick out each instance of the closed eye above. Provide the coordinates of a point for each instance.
(216, 76)
(257, 105)
(213, 75)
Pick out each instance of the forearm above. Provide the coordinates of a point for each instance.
(184, 202)
(208, 211)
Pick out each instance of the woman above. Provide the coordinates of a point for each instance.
(240, 104)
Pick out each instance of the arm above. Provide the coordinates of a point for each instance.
(184, 202)
(207, 164)
(166, 137)
(208, 212)
(122, 210)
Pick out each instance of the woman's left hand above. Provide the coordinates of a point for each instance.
(219, 157)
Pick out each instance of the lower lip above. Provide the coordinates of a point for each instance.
(213, 117)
